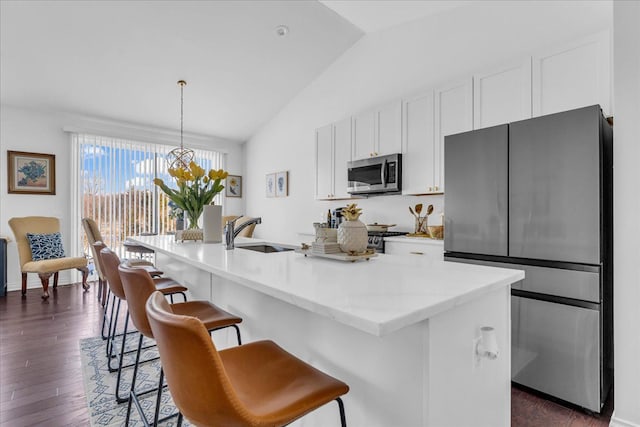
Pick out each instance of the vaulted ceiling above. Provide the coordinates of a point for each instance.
(121, 60)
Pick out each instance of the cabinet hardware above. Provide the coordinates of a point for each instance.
(416, 253)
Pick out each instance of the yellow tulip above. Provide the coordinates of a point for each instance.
(197, 171)
(158, 181)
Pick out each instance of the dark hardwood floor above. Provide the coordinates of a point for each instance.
(41, 378)
(40, 373)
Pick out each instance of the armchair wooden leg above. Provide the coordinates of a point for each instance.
(44, 278)
(55, 280)
(85, 274)
(24, 284)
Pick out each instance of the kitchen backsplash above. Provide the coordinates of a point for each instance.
(389, 210)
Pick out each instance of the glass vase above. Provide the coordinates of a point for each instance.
(193, 217)
(421, 225)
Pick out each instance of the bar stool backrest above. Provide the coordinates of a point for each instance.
(92, 232)
(194, 369)
(110, 262)
(138, 287)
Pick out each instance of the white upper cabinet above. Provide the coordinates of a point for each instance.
(333, 151)
(502, 95)
(364, 135)
(389, 129)
(418, 154)
(453, 114)
(378, 132)
(341, 156)
(324, 162)
(572, 76)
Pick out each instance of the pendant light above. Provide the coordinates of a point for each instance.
(180, 157)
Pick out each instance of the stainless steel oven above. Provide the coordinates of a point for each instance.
(375, 175)
(376, 239)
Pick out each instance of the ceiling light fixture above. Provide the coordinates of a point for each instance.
(282, 30)
(180, 157)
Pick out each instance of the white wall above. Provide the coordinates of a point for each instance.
(386, 65)
(42, 132)
(626, 153)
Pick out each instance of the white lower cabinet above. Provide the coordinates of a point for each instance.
(414, 246)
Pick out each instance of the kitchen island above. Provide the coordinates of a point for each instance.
(401, 331)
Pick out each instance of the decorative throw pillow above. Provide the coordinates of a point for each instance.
(45, 246)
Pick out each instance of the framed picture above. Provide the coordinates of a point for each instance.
(234, 186)
(282, 184)
(31, 173)
(271, 185)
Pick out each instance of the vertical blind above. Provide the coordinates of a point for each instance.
(113, 180)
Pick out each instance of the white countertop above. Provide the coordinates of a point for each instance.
(378, 296)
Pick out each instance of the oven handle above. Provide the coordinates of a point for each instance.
(383, 173)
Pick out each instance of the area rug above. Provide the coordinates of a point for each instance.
(99, 385)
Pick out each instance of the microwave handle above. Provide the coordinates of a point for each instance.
(383, 173)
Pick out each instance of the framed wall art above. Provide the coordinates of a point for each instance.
(31, 173)
(282, 184)
(234, 186)
(270, 185)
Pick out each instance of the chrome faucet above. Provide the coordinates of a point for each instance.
(230, 232)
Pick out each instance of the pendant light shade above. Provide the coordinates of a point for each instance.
(180, 157)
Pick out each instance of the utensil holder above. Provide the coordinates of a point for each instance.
(421, 225)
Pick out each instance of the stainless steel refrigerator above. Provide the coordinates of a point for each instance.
(537, 195)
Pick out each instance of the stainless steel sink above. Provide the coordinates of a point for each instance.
(266, 248)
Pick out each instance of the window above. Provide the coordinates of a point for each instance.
(114, 186)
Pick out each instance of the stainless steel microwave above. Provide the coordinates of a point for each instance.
(375, 175)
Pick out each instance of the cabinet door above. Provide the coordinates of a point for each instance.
(341, 155)
(454, 114)
(476, 202)
(324, 162)
(554, 187)
(363, 135)
(429, 250)
(555, 349)
(419, 151)
(572, 76)
(388, 129)
(502, 95)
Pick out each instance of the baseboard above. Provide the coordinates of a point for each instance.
(35, 283)
(618, 422)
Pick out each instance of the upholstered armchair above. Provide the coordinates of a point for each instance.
(47, 257)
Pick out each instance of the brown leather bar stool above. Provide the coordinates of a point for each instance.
(93, 234)
(91, 230)
(256, 384)
(138, 287)
(110, 262)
